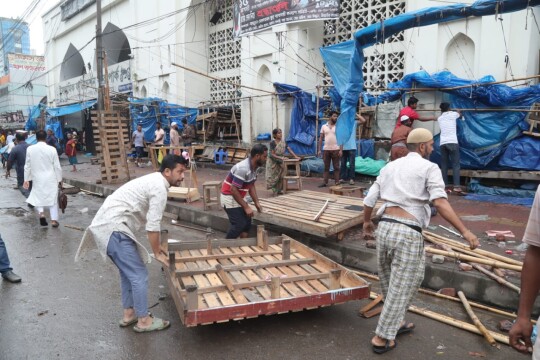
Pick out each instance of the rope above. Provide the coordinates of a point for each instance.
(507, 56)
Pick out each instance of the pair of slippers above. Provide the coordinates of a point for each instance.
(157, 325)
(406, 328)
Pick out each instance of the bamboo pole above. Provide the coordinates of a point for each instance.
(485, 332)
(442, 296)
(473, 259)
(317, 122)
(456, 248)
(478, 251)
(457, 323)
(497, 278)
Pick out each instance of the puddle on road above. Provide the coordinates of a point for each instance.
(15, 211)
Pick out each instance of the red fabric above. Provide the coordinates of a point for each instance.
(70, 148)
(413, 115)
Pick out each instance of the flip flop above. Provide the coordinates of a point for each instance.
(157, 325)
(406, 328)
(383, 349)
(124, 324)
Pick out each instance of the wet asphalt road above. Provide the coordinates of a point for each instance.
(68, 310)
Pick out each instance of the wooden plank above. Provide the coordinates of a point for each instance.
(261, 291)
(224, 256)
(246, 266)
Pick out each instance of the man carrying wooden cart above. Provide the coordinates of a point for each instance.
(406, 185)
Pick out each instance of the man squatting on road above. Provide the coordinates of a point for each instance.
(406, 186)
(138, 201)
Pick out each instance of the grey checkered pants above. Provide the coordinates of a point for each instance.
(401, 263)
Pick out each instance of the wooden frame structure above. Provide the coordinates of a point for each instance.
(222, 280)
(298, 210)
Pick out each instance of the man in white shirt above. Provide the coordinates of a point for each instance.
(332, 152)
(139, 201)
(10, 138)
(159, 135)
(449, 144)
(406, 186)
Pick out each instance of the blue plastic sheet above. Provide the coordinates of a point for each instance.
(56, 127)
(366, 148)
(477, 188)
(498, 199)
(35, 111)
(301, 137)
(368, 166)
(349, 81)
(69, 109)
(148, 111)
(523, 150)
(31, 140)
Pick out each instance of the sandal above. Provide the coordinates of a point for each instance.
(406, 328)
(157, 325)
(124, 324)
(55, 223)
(385, 348)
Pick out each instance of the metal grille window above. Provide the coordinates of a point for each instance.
(381, 67)
(224, 56)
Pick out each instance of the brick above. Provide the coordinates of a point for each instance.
(437, 259)
(504, 325)
(465, 267)
(448, 292)
(371, 244)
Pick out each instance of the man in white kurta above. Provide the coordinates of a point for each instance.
(42, 167)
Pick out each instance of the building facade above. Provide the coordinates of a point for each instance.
(14, 39)
(180, 50)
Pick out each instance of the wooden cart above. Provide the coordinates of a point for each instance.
(222, 280)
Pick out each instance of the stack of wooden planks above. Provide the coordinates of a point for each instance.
(222, 280)
(298, 211)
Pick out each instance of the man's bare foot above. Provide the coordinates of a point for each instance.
(379, 341)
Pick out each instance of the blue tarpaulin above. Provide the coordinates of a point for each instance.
(148, 111)
(35, 111)
(349, 81)
(31, 140)
(301, 137)
(56, 127)
(69, 109)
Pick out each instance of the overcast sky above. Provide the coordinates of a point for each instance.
(16, 8)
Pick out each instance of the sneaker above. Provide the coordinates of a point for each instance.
(351, 182)
(322, 185)
(11, 277)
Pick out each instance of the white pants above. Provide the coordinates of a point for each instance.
(53, 210)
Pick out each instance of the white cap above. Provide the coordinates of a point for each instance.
(404, 118)
(174, 123)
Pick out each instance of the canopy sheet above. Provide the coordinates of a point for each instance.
(349, 81)
(148, 111)
(69, 109)
(301, 137)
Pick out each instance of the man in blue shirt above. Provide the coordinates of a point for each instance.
(17, 159)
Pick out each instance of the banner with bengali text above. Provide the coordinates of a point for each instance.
(254, 15)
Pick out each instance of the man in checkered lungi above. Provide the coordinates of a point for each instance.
(406, 186)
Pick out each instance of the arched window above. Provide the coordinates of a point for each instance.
(165, 90)
(459, 58)
(73, 64)
(143, 91)
(116, 44)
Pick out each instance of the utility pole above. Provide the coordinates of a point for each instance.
(99, 58)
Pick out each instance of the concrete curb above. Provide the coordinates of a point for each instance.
(477, 287)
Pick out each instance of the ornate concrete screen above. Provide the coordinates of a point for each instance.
(224, 57)
(386, 63)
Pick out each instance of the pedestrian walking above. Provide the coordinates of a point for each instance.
(5, 267)
(17, 159)
(274, 164)
(71, 151)
(449, 145)
(331, 152)
(138, 142)
(520, 334)
(239, 182)
(42, 168)
(399, 139)
(140, 201)
(406, 185)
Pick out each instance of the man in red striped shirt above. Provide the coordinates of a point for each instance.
(410, 111)
(240, 181)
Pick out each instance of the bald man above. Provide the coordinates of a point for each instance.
(406, 185)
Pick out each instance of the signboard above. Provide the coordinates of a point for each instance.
(254, 15)
(26, 62)
(83, 88)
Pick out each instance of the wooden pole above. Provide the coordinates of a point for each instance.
(276, 100)
(285, 249)
(275, 286)
(317, 120)
(335, 275)
(497, 278)
(192, 297)
(319, 214)
(475, 319)
(251, 135)
(473, 259)
(260, 230)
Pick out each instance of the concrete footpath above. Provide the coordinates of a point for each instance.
(352, 251)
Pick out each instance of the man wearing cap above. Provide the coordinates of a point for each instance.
(406, 186)
(175, 137)
(410, 111)
(399, 139)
